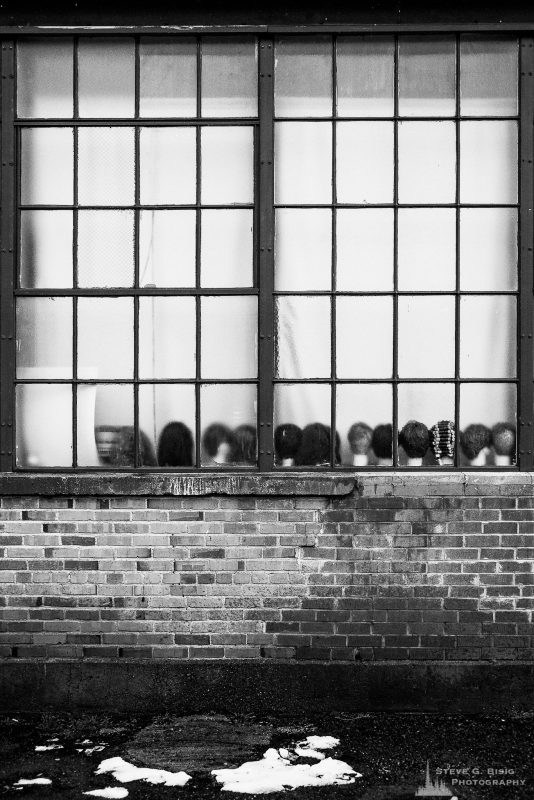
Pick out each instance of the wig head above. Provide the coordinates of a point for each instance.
(107, 438)
(415, 439)
(503, 436)
(474, 439)
(359, 437)
(315, 445)
(215, 435)
(175, 446)
(244, 445)
(287, 440)
(382, 441)
(146, 457)
(442, 439)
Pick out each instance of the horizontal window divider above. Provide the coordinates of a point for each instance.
(149, 122)
(400, 118)
(395, 205)
(132, 291)
(232, 469)
(136, 382)
(393, 293)
(391, 380)
(137, 207)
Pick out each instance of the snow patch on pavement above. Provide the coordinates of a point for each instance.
(41, 748)
(125, 773)
(33, 782)
(312, 746)
(111, 792)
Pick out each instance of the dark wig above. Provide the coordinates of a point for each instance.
(287, 440)
(175, 446)
(214, 435)
(503, 437)
(315, 446)
(244, 445)
(382, 441)
(415, 439)
(146, 456)
(474, 439)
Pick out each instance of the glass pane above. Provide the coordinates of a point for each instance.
(365, 69)
(303, 162)
(113, 429)
(44, 78)
(105, 248)
(167, 248)
(168, 166)
(303, 337)
(427, 249)
(229, 77)
(303, 249)
(364, 239)
(167, 345)
(168, 78)
(360, 408)
(427, 162)
(226, 248)
(488, 164)
(429, 404)
(167, 418)
(106, 166)
(44, 425)
(493, 405)
(44, 337)
(106, 77)
(488, 337)
(303, 77)
(488, 76)
(87, 451)
(364, 166)
(307, 406)
(47, 166)
(356, 317)
(105, 337)
(46, 249)
(427, 76)
(227, 165)
(228, 414)
(229, 332)
(426, 337)
(488, 249)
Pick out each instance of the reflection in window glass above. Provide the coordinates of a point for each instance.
(427, 76)
(229, 339)
(303, 77)
(46, 249)
(168, 166)
(307, 407)
(105, 337)
(488, 76)
(365, 70)
(105, 248)
(427, 162)
(303, 249)
(427, 249)
(364, 162)
(226, 255)
(229, 77)
(168, 78)
(488, 337)
(113, 421)
(227, 165)
(106, 77)
(106, 166)
(494, 406)
(44, 425)
(364, 249)
(228, 419)
(426, 337)
(303, 162)
(167, 346)
(303, 337)
(44, 337)
(360, 408)
(47, 156)
(167, 417)
(44, 78)
(167, 248)
(488, 163)
(356, 318)
(432, 405)
(488, 249)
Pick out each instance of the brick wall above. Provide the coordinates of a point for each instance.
(403, 568)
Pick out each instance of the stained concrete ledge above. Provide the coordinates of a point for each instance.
(222, 687)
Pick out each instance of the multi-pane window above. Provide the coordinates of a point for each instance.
(201, 258)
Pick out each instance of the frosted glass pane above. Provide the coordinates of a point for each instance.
(303, 162)
(105, 337)
(426, 337)
(364, 162)
(44, 425)
(223, 409)
(427, 249)
(303, 77)
(365, 70)
(368, 404)
(303, 249)
(487, 404)
(488, 76)
(488, 337)
(167, 248)
(106, 166)
(105, 248)
(113, 432)
(364, 249)
(427, 162)
(488, 162)
(229, 338)
(360, 353)
(46, 249)
(47, 166)
(488, 249)
(168, 78)
(168, 166)
(45, 78)
(427, 76)
(227, 165)
(44, 337)
(167, 417)
(226, 251)
(307, 406)
(303, 337)
(106, 77)
(167, 344)
(229, 77)
(425, 402)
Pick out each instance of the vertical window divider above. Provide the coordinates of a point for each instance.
(333, 300)
(198, 234)
(526, 248)
(7, 255)
(76, 114)
(395, 385)
(457, 261)
(137, 212)
(266, 256)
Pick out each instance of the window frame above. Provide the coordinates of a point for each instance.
(264, 255)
